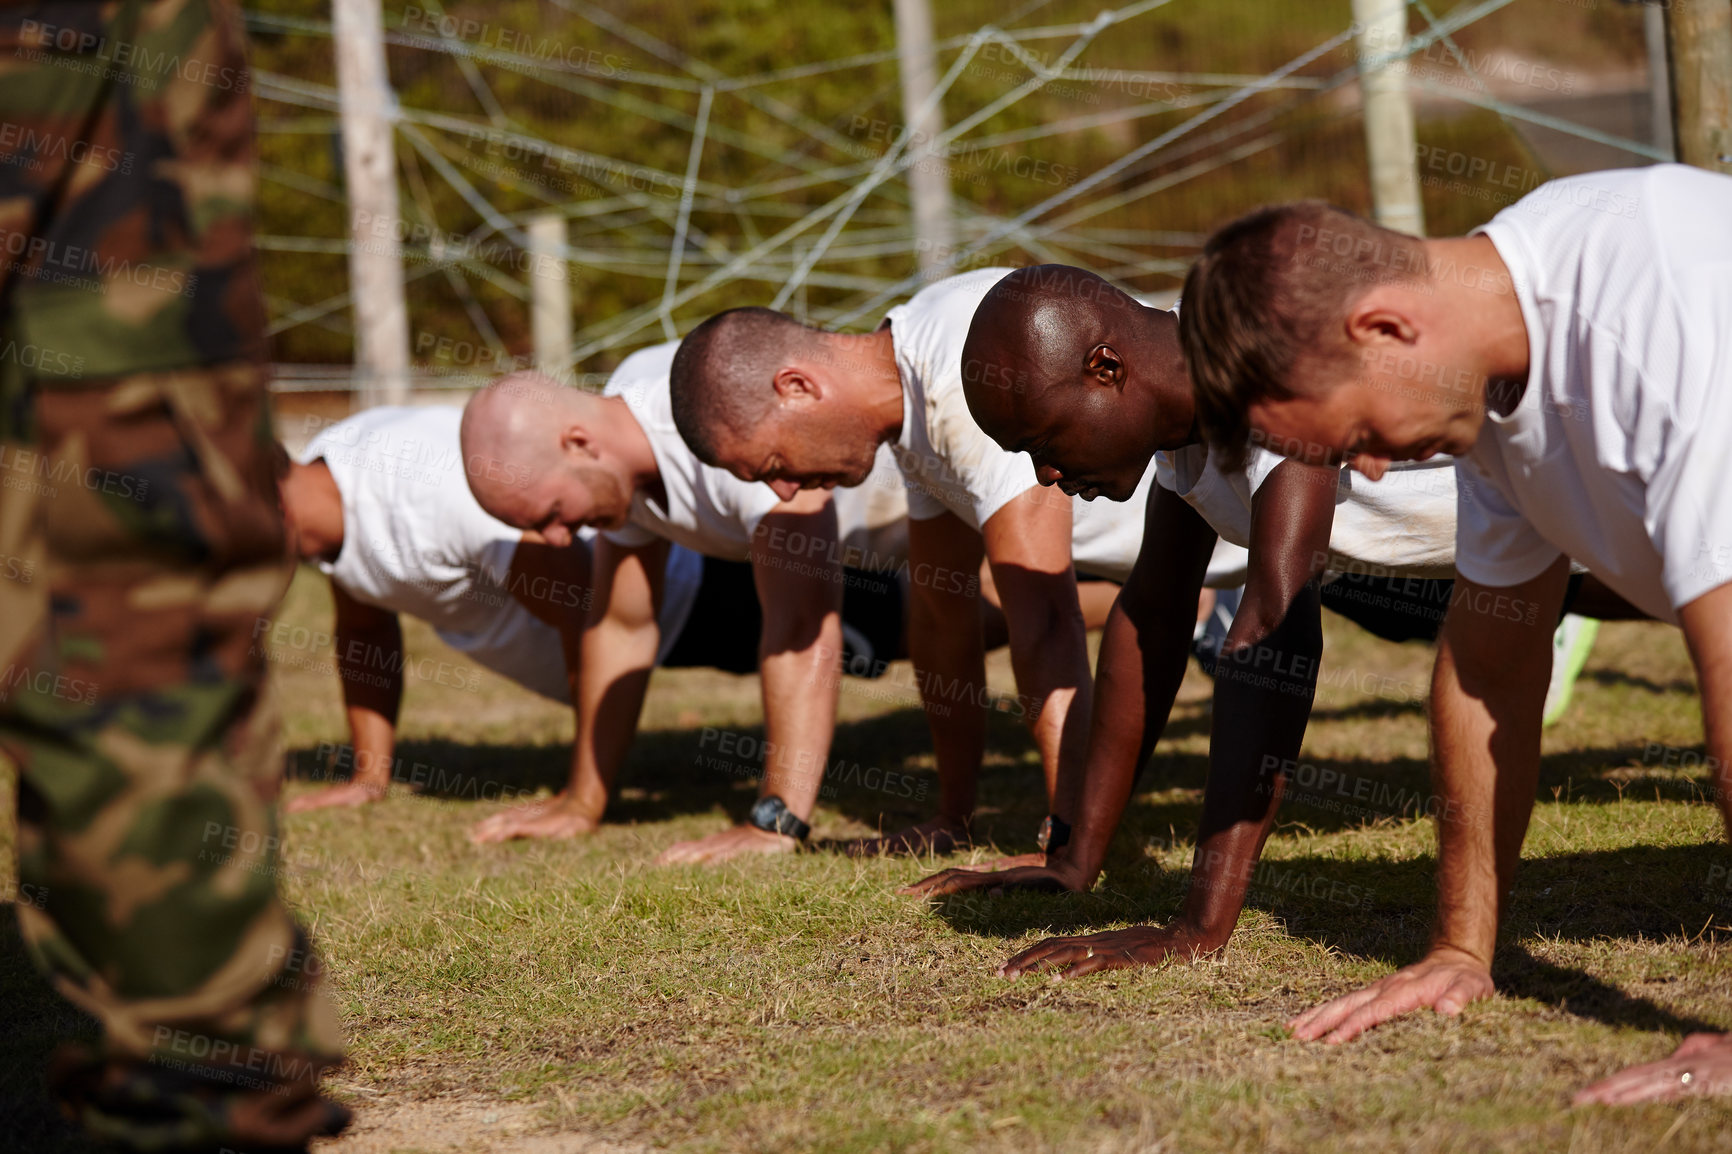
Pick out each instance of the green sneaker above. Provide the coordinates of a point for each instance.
(1571, 644)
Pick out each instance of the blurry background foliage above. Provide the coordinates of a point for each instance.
(1300, 143)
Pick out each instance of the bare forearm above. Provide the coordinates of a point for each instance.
(617, 662)
(1138, 680)
(950, 667)
(1263, 696)
(369, 666)
(800, 715)
(1468, 780)
(375, 740)
(1487, 695)
(1707, 623)
(1052, 677)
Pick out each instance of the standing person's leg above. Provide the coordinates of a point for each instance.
(134, 450)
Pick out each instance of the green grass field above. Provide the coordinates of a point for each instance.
(566, 997)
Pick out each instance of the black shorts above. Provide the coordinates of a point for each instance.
(726, 621)
(1401, 608)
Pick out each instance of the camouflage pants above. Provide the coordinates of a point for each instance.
(139, 542)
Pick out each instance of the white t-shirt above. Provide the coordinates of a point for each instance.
(416, 541)
(1617, 453)
(949, 463)
(713, 512)
(1400, 526)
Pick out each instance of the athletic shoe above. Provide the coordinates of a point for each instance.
(1571, 644)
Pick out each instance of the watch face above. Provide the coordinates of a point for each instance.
(766, 812)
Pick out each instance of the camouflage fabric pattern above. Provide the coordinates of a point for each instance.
(139, 543)
(127, 175)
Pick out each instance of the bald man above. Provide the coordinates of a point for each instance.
(769, 399)
(1092, 384)
(554, 460)
(380, 504)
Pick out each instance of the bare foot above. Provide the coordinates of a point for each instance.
(735, 841)
(554, 819)
(350, 795)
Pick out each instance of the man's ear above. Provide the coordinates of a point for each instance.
(1104, 366)
(1384, 314)
(576, 438)
(793, 384)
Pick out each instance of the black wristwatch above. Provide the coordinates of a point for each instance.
(772, 815)
(1053, 833)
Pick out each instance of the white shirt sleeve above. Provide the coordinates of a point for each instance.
(748, 503)
(990, 476)
(1494, 544)
(631, 536)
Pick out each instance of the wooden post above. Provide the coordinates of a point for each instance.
(1389, 134)
(929, 174)
(1659, 79)
(370, 171)
(1699, 52)
(550, 295)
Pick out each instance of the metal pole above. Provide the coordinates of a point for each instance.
(1389, 135)
(929, 175)
(370, 170)
(550, 294)
(1699, 52)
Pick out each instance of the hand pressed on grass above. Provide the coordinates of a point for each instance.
(940, 835)
(1446, 980)
(1023, 871)
(1701, 1065)
(735, 841)
(557, 818)
(1113, 950)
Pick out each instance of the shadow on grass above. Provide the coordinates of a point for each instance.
(36, 1021)
(1616, 677)
(1521, 975)
(871, 776)
(1382, 910)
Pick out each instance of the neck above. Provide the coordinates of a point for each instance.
(876, 377)
(315, 503)
(1167, 380)
(1473, 289)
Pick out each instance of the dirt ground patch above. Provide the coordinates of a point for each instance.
(436, 1125)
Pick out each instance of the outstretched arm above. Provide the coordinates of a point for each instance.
(369, 650)
(1263, 693)
(1487, 694)
(1142, 663)
(1028, 543)
(1706, 1059)
(799, 656)
(945, 645)
(616, 656)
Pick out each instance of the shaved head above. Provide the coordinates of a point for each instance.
(769, 399)
(1065, 366)
(534, 451)
(1032, 334)
(723, 378)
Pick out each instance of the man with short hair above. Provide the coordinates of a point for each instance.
(551, 459)
(380, 503)
(1091, 384)
(769, 399)
(1574, 355)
